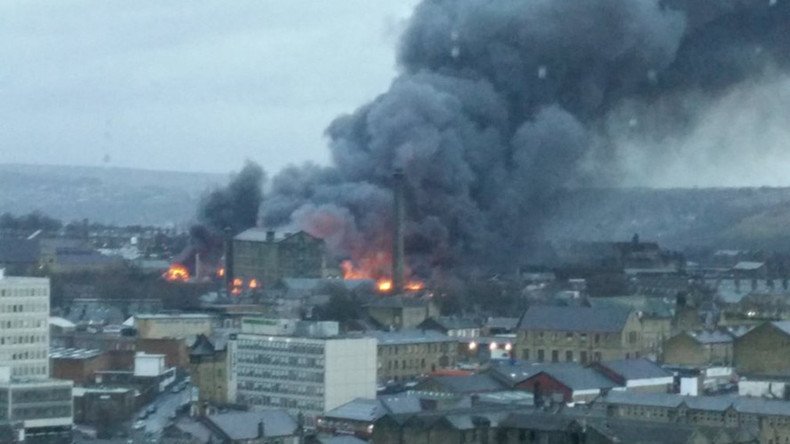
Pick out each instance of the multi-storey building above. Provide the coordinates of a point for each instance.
(260, 255)
(27, 395)
(408, 354)
(24, 328)
(302, 367)
(579, 334)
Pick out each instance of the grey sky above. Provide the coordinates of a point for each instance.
(196, 86)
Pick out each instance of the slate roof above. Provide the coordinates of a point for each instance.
(466, 384)
(502, 323)
(632, 369)
(576, 377)
(18, 251)
(453, 323)
(360, 409)
(711, 336)
(748, 266)
(782, 325)
(244, 425)
(651, 307)
(575, 318)
(397, 302)
(201, 347)
(741, 404)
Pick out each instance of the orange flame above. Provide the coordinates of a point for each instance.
(384, 285)
(221, 272)
(253, 284)
(176, 273)
(372, 269)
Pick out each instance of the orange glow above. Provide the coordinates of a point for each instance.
(384, 285)
(253, 283)
(377, 268)
(237, 282)
(176, 273)
(414, 286)
(235, 291)
(221, 272)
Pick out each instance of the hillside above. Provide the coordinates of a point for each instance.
(108, 195)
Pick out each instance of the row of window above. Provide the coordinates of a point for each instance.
(25, 355)
(414, 348)
(281, 359)
(278, 401)
(273, 345)
(23, 323)
(29, 370)
(22, 339)
(570, 356)
(24, 308)
(282, 388)
(23, 292)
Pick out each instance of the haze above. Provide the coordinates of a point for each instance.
(189, 86)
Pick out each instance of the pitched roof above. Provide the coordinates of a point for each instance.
(466, 384)
(748, 266)
(576, 377)
(453, 323)
(782, 325)
(360, 409)
(503, 323)
(244, 425)
(575, 318)
(631, 369)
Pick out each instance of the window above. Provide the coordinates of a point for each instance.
(525, 354)
(569, 355)
(555, 355)
(583, 357)
(541, 356)
(632, 337)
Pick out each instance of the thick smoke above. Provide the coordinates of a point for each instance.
(234, 207)
(502, 106)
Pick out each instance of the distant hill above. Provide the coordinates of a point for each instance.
(738, 218)
(109, 195)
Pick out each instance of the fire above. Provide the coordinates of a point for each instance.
(384, 285)
(221, 272)
(377, 268)
(237, 282)
(253, 284)
(177, 273)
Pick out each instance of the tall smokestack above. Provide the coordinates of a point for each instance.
(228, 259)
(397, 236)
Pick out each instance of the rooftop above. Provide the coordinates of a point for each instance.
(575, 318)
(408, 337)
(73, 353)
(631, 369)
(246, 425)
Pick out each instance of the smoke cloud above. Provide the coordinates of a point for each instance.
(503, 106)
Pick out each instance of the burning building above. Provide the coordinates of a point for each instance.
(261, 258)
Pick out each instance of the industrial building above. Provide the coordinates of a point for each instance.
(261, 258)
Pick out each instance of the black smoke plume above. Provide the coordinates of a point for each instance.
(504, 105)
(234, 207)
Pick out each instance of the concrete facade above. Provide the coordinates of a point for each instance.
(310, 375)
(24, 326)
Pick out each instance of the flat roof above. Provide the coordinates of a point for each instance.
(73, 353)
(172, 316)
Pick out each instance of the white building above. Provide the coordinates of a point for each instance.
(24, 326)
(312, 370)
(27, 395)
